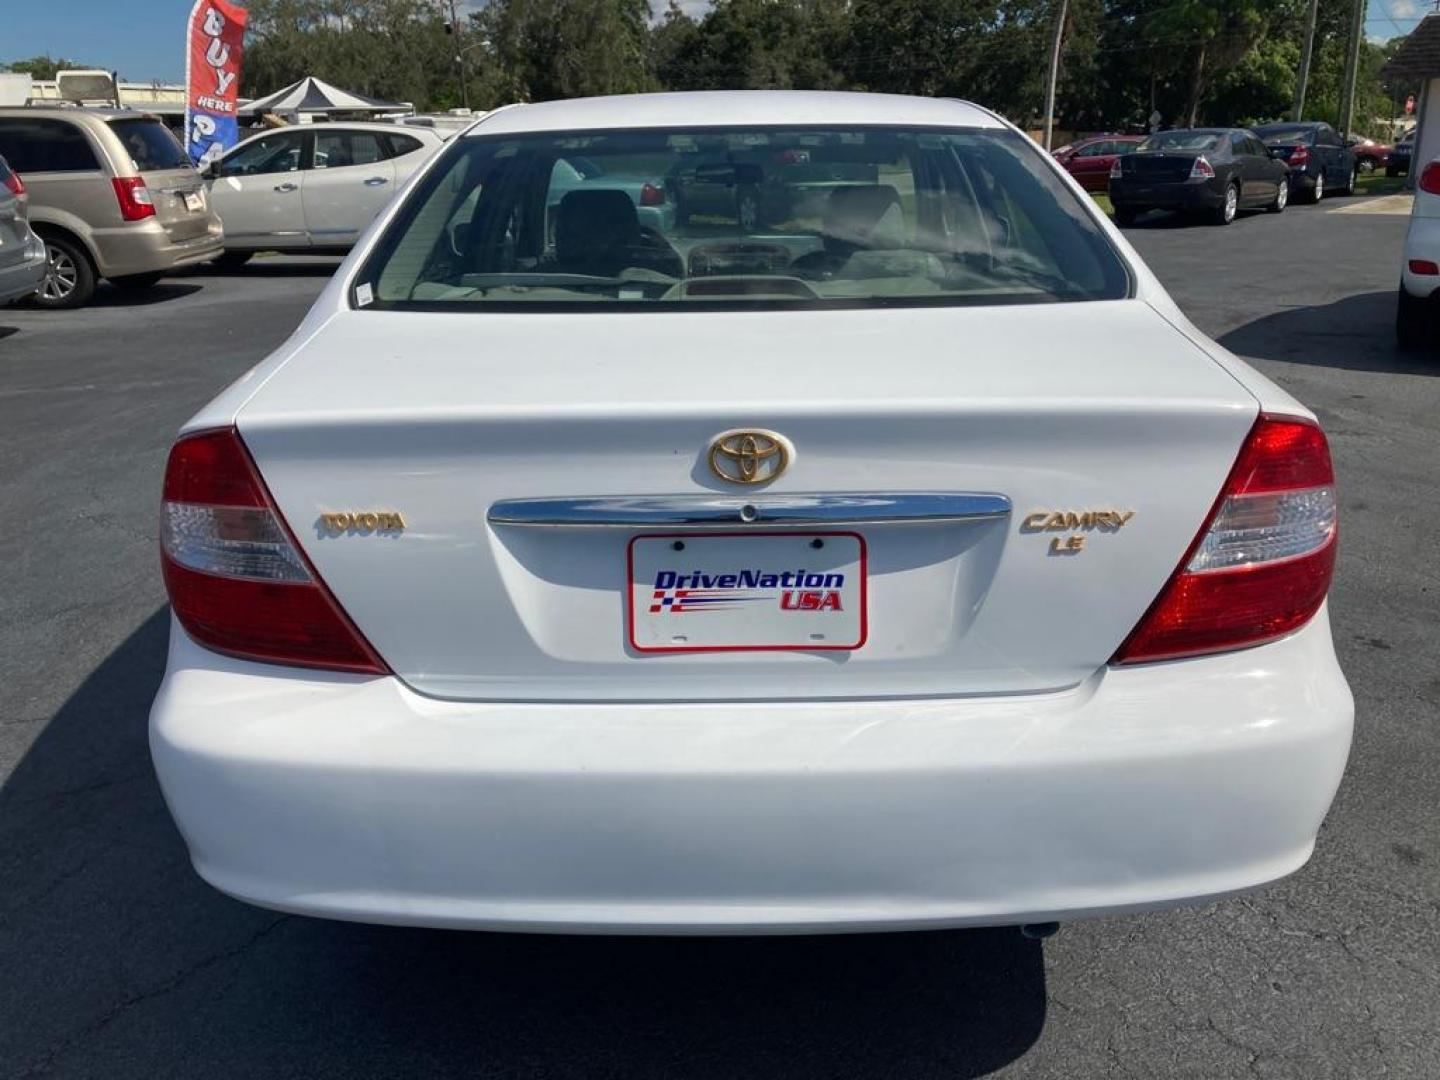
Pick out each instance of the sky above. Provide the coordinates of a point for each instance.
(145, 39)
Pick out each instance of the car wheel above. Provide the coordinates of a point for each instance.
(135, 282)
(1225, 213)
(1366, 165)
(1125, 216)
(233, 260)
(1318, 191)
(1391, 171)
(1349, 188)
(1282, 197)
(69, 280)
(1414, 321)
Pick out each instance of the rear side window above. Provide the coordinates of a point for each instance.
(149, 145)
(758, 217)
(400, 145)
(38, 146)
(339, 149)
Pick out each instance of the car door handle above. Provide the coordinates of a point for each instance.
(287, 187)
(376, 181)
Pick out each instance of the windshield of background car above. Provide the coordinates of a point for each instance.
(814, 216)
(150, 145)
(1288, 136)
(1172, 141)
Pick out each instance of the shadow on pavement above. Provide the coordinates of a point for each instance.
(273, 267)
(6, 331)
(165, 291)
(1356, 333)
(119, 962)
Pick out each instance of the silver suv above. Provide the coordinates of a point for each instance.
(113, 195)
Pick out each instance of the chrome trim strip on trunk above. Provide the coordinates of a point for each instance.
(698, 511)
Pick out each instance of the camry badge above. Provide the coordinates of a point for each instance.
(749, 455)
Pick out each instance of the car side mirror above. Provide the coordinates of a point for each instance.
(210, 170)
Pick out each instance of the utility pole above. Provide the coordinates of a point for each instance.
(1352, 69)
(1303, 76)
(1054, 72)
(453, 27)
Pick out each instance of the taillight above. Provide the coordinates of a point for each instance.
(1424, 267)
(650, 195)
(1299, 157)
(237, 580)
(1201, 170)
(1430, 178)
(1262, 565)
(1115, 170)
(12, 181)
(134, 198)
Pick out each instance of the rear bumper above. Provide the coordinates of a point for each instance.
(1168, 194)
(1422, 241)
(145, 248)
(357, 799)
(22, 279)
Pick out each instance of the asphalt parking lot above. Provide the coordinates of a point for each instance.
(116, 961)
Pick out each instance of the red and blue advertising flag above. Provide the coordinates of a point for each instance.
(214, 44)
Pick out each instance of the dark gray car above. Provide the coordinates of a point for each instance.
(1214, 172)
(1318, 159)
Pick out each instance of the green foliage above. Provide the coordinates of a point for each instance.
(1212, 61)
(42, 67)
(544, 49)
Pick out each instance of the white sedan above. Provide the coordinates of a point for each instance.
(311, 188)
(1415, 323)
(914, 563)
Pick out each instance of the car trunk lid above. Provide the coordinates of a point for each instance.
(1104, 431)
(1147, 165)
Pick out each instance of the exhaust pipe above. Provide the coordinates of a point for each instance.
(1039, 931)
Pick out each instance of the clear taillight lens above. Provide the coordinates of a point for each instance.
(1262, 565)
(1115, 170)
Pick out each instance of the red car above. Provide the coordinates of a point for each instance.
(1369, 154)
(1089, 160)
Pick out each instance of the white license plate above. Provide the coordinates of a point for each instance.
(703, 592)
(194, 201)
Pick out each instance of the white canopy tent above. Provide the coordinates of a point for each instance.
(312, 96)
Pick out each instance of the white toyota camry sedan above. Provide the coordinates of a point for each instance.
(879, 548)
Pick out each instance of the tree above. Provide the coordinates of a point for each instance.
(755, 44)
(1212, 35)
(546, 49)
(43, 67)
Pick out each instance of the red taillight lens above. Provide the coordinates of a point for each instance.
(1262, 565)
(237, 580)
(650, 195)
(12, 181)
(134, 198)
(1430, 179)
(1299, 157)
(1202, 169)
(1424, 267)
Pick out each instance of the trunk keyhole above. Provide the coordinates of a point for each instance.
(678, 545)
(817, 543)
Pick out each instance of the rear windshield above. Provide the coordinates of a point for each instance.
(1287, 136)
(1181, 140)
(150, 145)
(815, 216)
